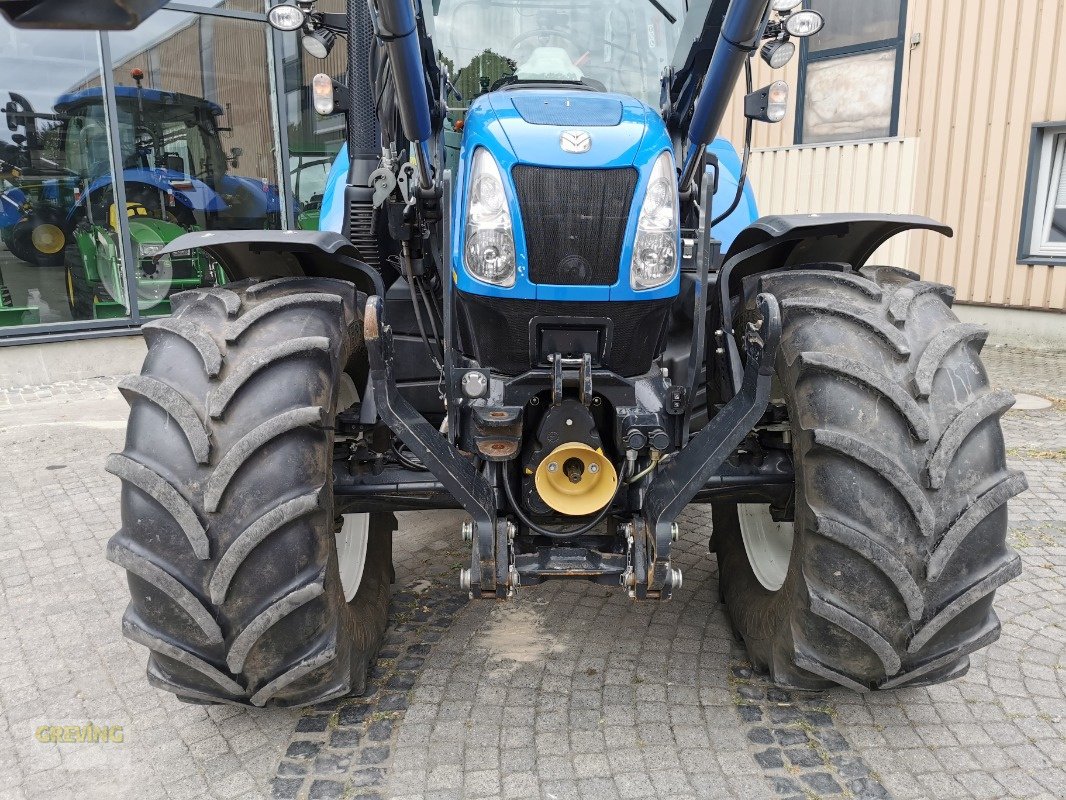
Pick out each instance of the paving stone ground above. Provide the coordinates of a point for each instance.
(569, 690)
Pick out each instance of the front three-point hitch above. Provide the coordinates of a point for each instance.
(480, 481)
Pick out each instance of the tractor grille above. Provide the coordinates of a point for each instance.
(361, 231)
(575, 222)
(496, 331)
(583, 112)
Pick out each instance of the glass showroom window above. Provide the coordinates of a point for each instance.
(196, 136)
(313, 140)
(1043, 239)
(55, 166)
(851, 72)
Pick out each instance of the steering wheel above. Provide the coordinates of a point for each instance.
(520, 40)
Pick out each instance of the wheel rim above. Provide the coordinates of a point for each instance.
(768, 544)
(354, 534)
(352, 540)
(48, 239)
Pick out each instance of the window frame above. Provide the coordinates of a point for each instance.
(1031, 202)
(897, 44)
(129, 325)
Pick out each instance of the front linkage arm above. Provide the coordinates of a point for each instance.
(679, 480)
(458, 474)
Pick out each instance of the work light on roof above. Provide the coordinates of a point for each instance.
(319, 43)
(287, 18)
(778, 54)
(804, 23)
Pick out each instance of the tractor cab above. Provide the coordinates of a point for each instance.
(620, 47)
(173, 161)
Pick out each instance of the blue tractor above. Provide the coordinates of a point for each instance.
(542, 294)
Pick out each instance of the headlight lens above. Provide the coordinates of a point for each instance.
(150, 250)
(804, 23)
(489, 252)
(655, 249)
(286, 18)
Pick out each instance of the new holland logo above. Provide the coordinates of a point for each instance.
(575, 141)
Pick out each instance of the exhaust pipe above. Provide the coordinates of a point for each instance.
(740, 35)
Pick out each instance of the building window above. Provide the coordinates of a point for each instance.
(851, 73)
(313, 140)
(1043, 237)
(55, 162)
(112, 145)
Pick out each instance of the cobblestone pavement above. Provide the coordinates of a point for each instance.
(568, 691)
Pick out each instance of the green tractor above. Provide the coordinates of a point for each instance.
(95, 289)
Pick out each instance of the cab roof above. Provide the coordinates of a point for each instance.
(72, 100)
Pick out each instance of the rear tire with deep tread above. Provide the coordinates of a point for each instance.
(901, 489)
(228, 523)
(80, 294)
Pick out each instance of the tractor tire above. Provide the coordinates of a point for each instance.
(23, 246)
(229, 532)
(899, 535)
(80, 294)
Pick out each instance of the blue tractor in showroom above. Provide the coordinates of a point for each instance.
(543, 296)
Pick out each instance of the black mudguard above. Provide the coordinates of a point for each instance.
(782, 242)
(284, 254)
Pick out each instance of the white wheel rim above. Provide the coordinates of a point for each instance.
(768, 544)
(354, 534)
(352, 540)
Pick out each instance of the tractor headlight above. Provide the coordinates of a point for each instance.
(655, 254)
(489, 252)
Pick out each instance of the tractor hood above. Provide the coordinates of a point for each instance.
(563, 128)
(584, 160)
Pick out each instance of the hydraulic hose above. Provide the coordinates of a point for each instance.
(743, 179)
(738, 39)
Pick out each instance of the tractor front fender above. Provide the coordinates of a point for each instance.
(283, 254)
(780, 242)
(783, 242)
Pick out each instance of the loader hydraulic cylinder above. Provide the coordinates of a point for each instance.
(740, 31)
(397, 28)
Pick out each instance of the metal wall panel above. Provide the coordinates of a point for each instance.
(867, 176)
(985, 72)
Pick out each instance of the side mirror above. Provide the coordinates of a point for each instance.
(90, 15)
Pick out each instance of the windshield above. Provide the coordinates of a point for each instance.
(178, 139)
(613, 45)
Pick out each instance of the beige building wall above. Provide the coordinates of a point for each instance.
(983, 73)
